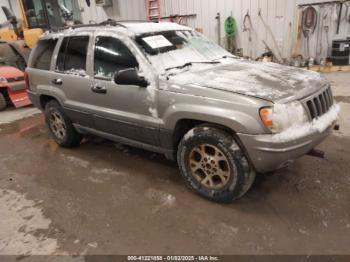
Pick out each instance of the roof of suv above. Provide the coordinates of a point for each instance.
(149, 27)
(133, 27)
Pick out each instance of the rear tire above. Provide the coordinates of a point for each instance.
(213, 164)
(60, 126)
(3, 103)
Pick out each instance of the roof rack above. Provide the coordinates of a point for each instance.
(110, 22)
(136, 21)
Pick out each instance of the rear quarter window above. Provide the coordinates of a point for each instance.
(43, 54)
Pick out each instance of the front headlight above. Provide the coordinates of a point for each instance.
(3, 79)
(283, 116)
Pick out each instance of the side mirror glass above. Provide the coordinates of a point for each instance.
(130, 76)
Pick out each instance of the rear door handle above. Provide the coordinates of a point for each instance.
(57, 81)
(99, 89)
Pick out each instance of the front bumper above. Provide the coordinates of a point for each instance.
(268, 154)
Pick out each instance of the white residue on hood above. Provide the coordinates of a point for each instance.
(266, 80)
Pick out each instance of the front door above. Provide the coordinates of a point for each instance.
(123, 110)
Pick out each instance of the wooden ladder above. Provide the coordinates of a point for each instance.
(153, 10)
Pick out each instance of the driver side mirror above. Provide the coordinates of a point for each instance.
(130, 76)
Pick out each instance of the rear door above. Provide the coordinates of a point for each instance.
(123, 110)
(40, 68)
(72, 81)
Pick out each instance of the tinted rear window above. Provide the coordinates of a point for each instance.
(72, 54)
(43, 54)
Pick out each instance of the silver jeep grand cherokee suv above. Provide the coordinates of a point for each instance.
(166, 88)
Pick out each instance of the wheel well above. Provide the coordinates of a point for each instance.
(44, 99)
(5, 93)
(185, 125)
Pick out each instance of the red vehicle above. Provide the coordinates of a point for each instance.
(12, 88)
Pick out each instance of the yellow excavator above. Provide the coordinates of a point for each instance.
(37, 16)
(19, 35)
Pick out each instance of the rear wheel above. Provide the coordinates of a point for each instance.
(213, 164)
(60, 126)
(3, 103)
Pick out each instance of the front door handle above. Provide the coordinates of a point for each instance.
(57, 81)
(99, 89)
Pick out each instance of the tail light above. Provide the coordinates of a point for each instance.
(26, 80)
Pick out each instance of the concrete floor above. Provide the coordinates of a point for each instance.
(106, 198)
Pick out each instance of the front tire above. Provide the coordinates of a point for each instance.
(213, 164)
(60, 126)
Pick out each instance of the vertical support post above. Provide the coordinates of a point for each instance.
(218, 17)
(158, 4)
(23, 14)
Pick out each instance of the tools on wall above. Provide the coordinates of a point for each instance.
(318, 23)
(179, 19)
(309, 22)
(276, 50)
(230, 30)
(249, 30)
(339, 16)
(323, 23)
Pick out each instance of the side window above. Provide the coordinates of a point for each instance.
(111, 55)
(43, 54)
(72, 54)
(62, 54)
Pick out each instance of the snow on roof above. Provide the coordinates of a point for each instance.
(147, 27)
(131, 28)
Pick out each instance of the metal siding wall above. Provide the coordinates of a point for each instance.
(280, 15)
(2, 15)
(121, 10)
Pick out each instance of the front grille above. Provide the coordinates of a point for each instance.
(319, 104)
(15, 79)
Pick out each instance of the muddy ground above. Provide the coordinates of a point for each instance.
(106, 198)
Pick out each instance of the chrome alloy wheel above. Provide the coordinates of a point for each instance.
(57, 125)
(209, 166)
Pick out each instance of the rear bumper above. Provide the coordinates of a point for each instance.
(268, 154)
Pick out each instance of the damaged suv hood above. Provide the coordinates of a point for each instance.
(268, 81)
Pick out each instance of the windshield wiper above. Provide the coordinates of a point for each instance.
(226, 56)
(191, 63)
